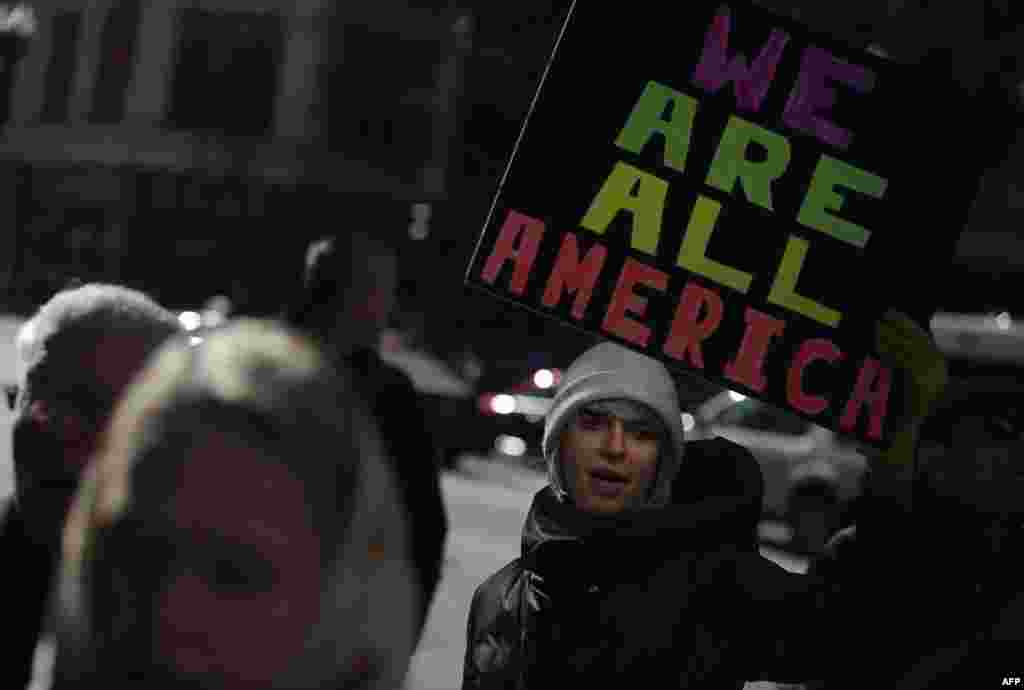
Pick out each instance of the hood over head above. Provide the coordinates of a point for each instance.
(611, 372)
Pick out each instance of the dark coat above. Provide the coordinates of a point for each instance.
(403, 428)
(962, 622)
(25, 579)
(678, 597)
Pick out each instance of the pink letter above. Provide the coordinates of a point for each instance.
(812, 96)
(714, 70)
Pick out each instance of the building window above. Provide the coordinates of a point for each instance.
(117, 58)
(227, 72)
(61, 69)
(382, 91)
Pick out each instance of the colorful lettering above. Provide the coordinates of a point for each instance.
(688, 329)
(731, 162)
(715, 69)
(663, 111)
(574, 276)
(693, 251)
(518, 242)
(641, 194)
(748, 367)
(783, 290)
(822, 198)
(811, 351)
(813, 97)
(625, 301)
(872, 390)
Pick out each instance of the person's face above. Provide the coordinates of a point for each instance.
(228, 568)
(65, 402)
(610, 463)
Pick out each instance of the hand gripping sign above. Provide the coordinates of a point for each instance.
(734, 195)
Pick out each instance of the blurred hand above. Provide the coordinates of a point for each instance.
(904, 345)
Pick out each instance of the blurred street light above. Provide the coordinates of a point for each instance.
(544, 378)
(510, 445)
(503, 404)
(688, 422)
(190, 320)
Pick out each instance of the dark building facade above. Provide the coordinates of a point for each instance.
(194, 148)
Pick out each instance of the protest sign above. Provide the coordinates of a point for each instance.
(732, 194)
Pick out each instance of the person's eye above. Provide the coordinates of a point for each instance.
(228, 573)
(645, 435)
(590, 420)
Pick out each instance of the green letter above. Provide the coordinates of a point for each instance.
(783, 292)
(822, 198)
(648, 118)
(630, 189)
(692, 253)
(731, 162)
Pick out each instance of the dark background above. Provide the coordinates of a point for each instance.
(248, 248)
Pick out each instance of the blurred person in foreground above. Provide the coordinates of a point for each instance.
(347, 297)
(639, 559)
(76, 355)
(238, 529)
(965, 616)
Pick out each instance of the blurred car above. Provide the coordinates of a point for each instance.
(518, 416)
(465, 421)
(800, 460)
(786, 446)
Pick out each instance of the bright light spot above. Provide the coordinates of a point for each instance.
(194, 340)
(688, 422)
(544, 378)
(736, 397)
(190, 320)
(1004, 321)
(510, 445)
(213, 318)
(503, 404)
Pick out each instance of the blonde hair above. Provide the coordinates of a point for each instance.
(260, 380)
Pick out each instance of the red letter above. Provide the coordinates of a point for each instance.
(575, 276)
(624, 300)
(746, 368)
(863, 395)
(688, 331)
(811, 350)
(528, 231)
(714, 69)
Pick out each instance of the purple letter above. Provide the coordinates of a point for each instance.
(812, 96)
(714, 69)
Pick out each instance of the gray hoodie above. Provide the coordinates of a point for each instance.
(612, 372)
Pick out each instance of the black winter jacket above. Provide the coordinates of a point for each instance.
(678, 597)
(25, 579)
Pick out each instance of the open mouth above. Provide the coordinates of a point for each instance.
(608, 476)
(607, 484)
